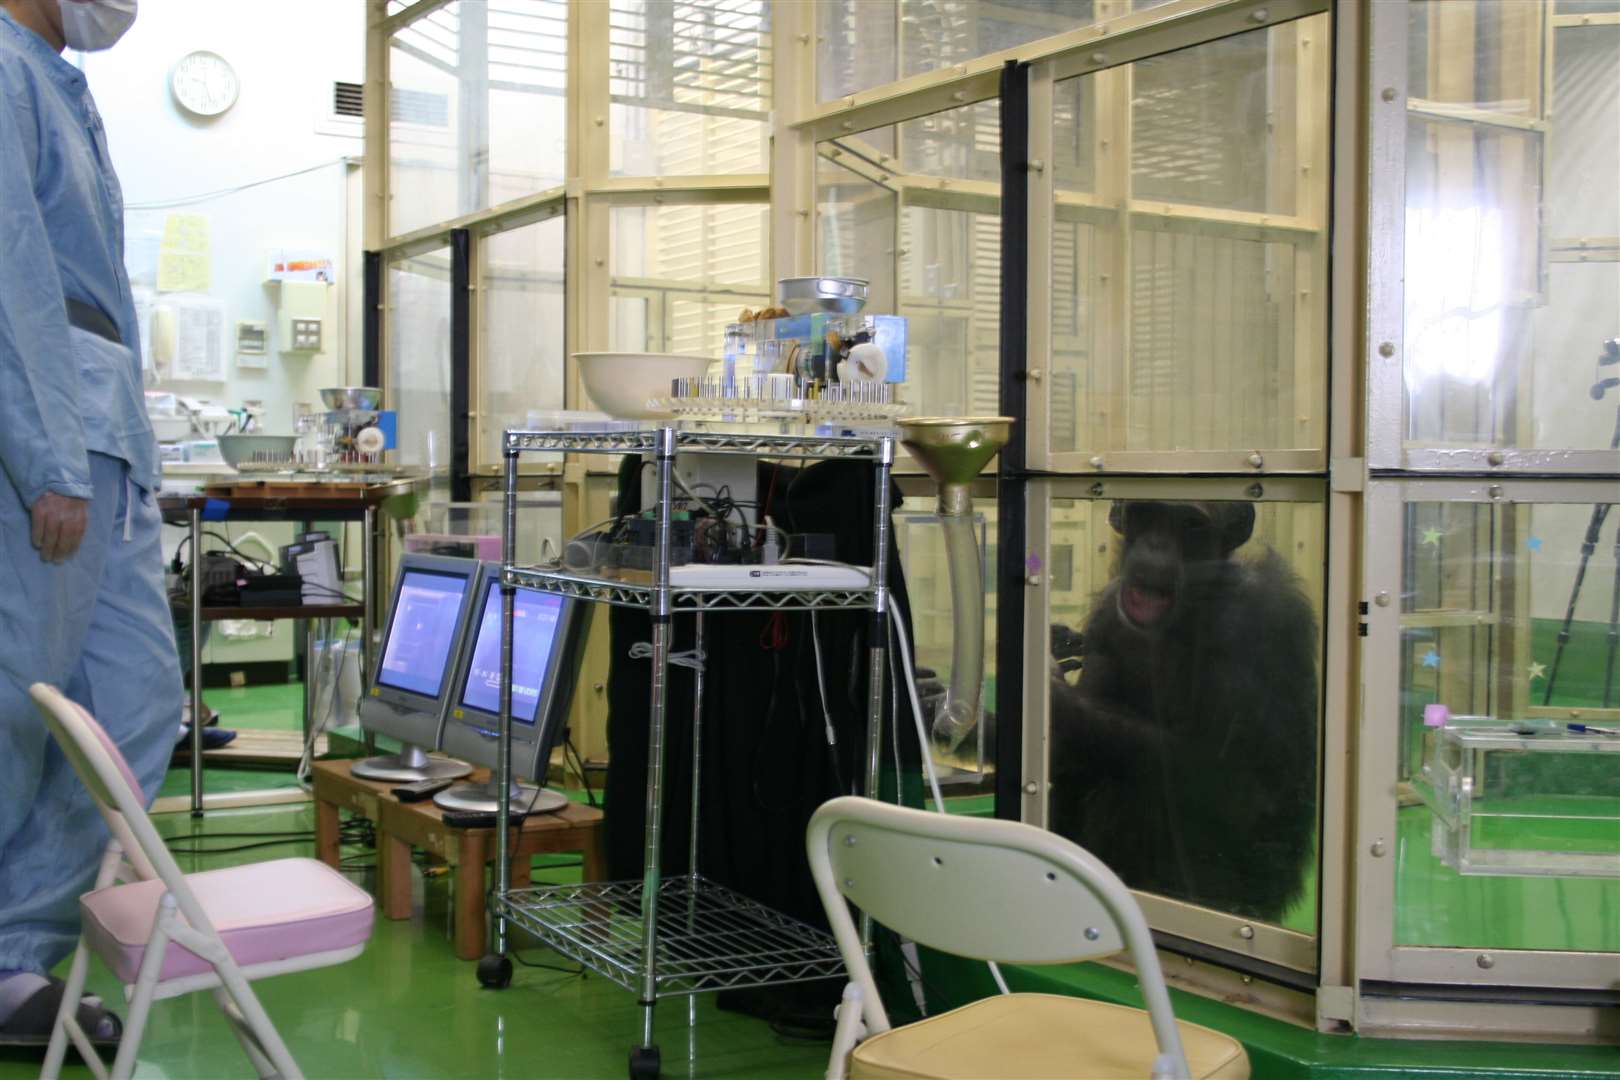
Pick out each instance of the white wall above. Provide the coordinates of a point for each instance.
(286, 56)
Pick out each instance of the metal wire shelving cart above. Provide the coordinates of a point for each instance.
(658, 937)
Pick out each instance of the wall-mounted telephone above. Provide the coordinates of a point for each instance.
(163, 340)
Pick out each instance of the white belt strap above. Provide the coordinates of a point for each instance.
(131, 493)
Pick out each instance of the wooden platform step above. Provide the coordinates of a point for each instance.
(257, 747)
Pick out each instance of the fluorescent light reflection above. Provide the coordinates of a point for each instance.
(1455, 295)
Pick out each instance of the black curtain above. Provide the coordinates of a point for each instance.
(765, 762)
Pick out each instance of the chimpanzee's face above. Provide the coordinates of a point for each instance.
(1169, 550)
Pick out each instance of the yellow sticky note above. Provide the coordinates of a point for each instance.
(182, 271)
(186, 232)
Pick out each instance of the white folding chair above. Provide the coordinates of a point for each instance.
(1002, 891)
(165, 933)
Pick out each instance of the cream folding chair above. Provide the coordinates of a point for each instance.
(165, 933)
(1001, 891)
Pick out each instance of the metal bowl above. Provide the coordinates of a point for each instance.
(839, 295)
(238, 450)
(368, 398)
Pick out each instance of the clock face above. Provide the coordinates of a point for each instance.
(203, 83)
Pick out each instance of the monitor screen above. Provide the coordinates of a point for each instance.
(422, 631)
(535, 616)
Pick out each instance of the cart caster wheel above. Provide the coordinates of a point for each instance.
(644, 1064)
(494, 972)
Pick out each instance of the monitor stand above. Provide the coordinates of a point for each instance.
(483, 798)
(411, 765)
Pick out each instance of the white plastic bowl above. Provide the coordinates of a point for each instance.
(621, 383)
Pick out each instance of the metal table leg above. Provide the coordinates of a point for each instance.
(368, 598)
(697, 790)
(495, 969)
(311, 681)
(878, 645)
(646, 1054)
(196, 665)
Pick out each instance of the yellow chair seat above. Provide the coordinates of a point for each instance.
(1038, 1037)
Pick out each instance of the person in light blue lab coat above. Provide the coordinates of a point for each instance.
(82, 603)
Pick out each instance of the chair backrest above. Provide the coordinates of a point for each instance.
(977, 887)
(117, 794)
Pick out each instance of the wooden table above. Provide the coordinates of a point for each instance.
(403, 826)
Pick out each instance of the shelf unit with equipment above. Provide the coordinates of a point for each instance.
(686, 935)
(298, 500)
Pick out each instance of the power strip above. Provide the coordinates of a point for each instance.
(767, 578)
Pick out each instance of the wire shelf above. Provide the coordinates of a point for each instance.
(710, 442)
(709, 937)
(634, 595)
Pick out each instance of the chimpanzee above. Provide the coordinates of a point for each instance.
(1185, 755)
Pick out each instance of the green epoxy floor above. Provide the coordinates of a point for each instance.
(408, 1008)
(266, 707)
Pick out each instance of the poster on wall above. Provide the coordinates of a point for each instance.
(289, 264)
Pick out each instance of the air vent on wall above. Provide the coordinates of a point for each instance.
(348, 99)
(409, 106)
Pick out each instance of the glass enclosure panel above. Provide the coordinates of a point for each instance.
(1185, 702)
(691, 86)
(1508, 819)
(521, 310)
(1512, 268)
(966, 770)
(476, 108)
(861, 44)
(419, 362)
(680, 274)
(916, 209)
(1185, 317)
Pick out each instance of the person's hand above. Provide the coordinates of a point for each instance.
(59, 523)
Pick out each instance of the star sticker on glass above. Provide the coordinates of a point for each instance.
(1534, 543)
(1431, 536)
(1431, 659)
(1538, 671)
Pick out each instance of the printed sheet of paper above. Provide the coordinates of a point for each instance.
(199, 348)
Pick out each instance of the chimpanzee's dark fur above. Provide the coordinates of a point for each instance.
(1185, 756)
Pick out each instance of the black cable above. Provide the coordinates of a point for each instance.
(578, 972)
(579, 769)
(306, 833)
(233, 549)
(234, 848)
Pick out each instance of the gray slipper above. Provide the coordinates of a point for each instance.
(30, 1023)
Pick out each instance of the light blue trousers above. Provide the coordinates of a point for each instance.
(98, 627)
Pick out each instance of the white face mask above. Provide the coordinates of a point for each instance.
(92, 25)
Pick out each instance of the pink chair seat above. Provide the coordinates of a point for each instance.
(264, 912)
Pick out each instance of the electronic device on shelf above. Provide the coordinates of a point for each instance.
(548, 636)
(427, 619)
(756, 577)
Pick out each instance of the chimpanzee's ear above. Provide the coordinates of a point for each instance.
(1237, 525)
(1116, 517)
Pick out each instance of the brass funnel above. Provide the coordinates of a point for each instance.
(952, 450)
